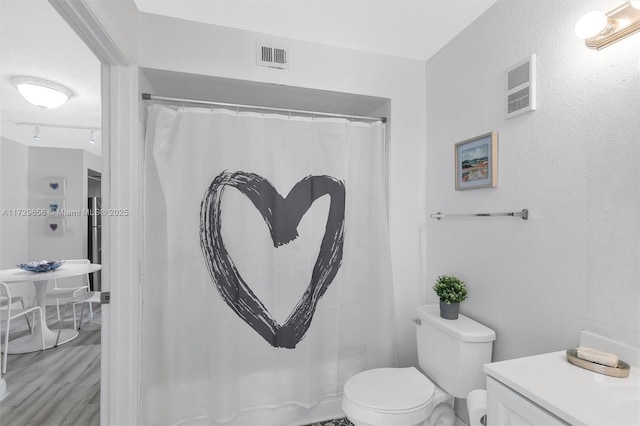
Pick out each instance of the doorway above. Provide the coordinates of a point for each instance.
(68, 139)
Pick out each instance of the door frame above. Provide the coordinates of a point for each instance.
(122, 237)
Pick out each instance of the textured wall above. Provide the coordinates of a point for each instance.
(573, 163)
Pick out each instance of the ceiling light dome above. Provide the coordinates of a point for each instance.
(42, 93)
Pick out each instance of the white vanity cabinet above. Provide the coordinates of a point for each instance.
(548, 390)
(506, 407)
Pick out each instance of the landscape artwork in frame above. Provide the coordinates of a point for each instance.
(477, 162)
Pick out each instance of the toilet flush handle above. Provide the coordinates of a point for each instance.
(417, 321)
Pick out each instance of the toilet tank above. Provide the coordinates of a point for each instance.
(452, 352)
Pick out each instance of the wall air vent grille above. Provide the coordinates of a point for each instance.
(521, 87)
(272, 55)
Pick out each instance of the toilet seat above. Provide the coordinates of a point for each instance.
(388, 396)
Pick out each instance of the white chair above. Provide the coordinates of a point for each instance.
(70, 292)
(93, 297)
(6, 303)
(82, 298)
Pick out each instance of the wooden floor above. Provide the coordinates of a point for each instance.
(58, 386)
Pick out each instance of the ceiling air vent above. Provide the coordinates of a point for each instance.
(272, 55)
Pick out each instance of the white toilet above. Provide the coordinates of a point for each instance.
(450, 352)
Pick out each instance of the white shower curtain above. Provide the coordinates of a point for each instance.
(267, 266)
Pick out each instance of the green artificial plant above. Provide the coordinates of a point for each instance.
(450, 289)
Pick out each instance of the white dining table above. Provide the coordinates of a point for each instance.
(32, 342)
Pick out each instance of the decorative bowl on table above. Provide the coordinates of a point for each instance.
(42, 266)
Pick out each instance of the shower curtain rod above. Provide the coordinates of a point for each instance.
(150, 97)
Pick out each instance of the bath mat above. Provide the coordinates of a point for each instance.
(335, 422)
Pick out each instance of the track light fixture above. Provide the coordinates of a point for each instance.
(601, 29)
(37, 126)
(42, 93)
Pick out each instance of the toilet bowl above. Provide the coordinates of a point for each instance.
(408, 398)
(451, 354)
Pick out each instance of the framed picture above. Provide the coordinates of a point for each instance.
(54, 206)
(55, 185)
(477, 162)
(54, 227)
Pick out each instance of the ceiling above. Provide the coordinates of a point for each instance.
(35, 41)
(414, 29)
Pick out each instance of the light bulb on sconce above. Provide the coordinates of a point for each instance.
(601, 29)
(592, 24)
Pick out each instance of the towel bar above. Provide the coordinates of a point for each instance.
(524, 214)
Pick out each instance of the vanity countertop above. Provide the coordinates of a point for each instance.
(575, 395)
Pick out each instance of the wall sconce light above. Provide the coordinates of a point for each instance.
(36, 133)
(92, 138)
(601, 29)
(42, 93)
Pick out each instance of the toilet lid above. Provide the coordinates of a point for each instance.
(389, 389)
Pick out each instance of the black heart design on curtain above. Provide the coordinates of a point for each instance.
(282, 215)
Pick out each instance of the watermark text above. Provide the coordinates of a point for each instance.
(64, 212)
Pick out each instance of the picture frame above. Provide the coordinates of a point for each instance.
(55, 227)
(55, 185)
(476, 162)
(54, 206)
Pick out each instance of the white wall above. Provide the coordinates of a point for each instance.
(187, 47)
(58, 162)
(13, 195)
(14, 224)
(573, 163)
(23, 237)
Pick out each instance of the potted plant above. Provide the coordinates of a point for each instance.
(451, 291)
